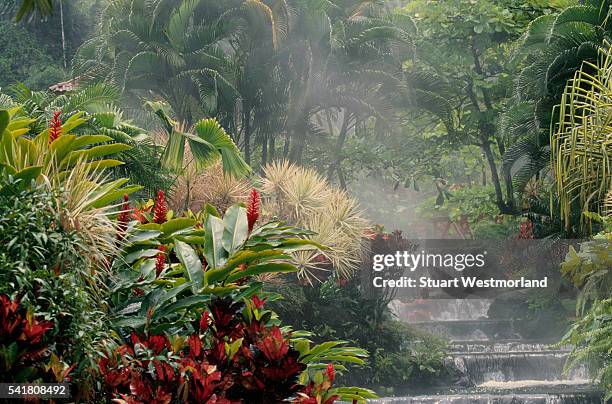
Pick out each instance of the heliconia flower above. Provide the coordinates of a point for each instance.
(160, 260)
(55, 127)
(160, 211)
(253, 208)
(258, 302)
(331, 372)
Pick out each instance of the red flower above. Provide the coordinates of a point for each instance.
(253, 208)
(525, 231)
(55, 127)
(258, 302)
(160, 211)
(124, 217)
(331, 372)
(160, 260)
(139, 215)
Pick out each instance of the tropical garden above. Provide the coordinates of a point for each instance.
(190, 189)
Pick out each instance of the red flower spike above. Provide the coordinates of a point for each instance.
(258, 302)
(124, 217)
(160, 211)
(55, 127)
(160, 260)
(253, 208)
(331, 372)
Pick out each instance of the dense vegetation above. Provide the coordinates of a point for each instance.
(196, 163)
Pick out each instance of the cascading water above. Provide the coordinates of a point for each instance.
(496, 364)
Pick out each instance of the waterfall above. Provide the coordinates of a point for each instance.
(495, 363)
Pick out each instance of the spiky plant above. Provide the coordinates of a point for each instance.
(302, 197)
(84, 206)
(194, 190)
(581, 142)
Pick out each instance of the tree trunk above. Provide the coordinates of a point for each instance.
(272, 147)
(286, 146)
(246, 121)
(297, 149)
(264, 152)
(486, 148)
(335, 165)
(61, 7)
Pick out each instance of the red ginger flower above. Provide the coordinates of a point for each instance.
(253, 208)
(55, 127)
(160, 259)
(160, 211)
(331, 372)
(124, 217)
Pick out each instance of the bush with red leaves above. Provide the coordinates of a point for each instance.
(21, 342)
(234, 357)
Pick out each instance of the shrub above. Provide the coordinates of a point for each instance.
(208, 264)
(42, 267)
(303, 198)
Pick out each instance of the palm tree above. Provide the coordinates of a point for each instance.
(183, 52)
(553, 47)
(581, 142)
(99, 102)
(340, 65)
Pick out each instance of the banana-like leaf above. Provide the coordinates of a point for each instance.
(214, 252)
(236, 229)
(193, 266)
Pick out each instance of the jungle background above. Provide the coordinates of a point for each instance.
(421, 119)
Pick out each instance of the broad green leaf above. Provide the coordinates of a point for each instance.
(189, 258)
(136, 255)
(236, 229)
(213, 249)
(4, 120)
(270, 267)
(140, 236)
(114, 195)
(176, 224)
(28, 174)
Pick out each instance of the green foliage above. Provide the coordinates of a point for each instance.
(476, 203)
(590, 269)
(215, 258)
(207, 144)
(42, 264)
(401, 358)
(25, 60)
(580, 145)
(98, 102)
(592, 342)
